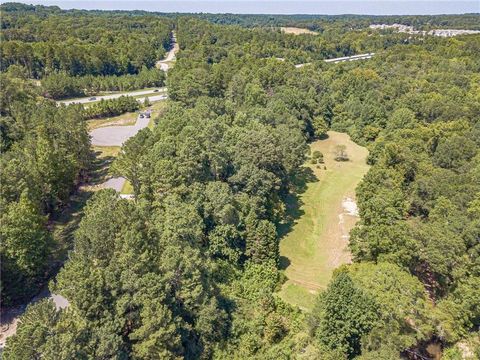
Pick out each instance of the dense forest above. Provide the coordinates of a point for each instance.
(79, 53)
(190, 268)
(60, 85)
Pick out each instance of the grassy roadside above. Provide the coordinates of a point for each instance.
(315, 240)
(127, 188)
(127, 119)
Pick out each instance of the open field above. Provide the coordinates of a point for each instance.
(297, 31)
(315, 240)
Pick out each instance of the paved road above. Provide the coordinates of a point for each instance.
(87, 100)
(9, 319)
(115, 183)
(106, 136)
(343, 59)
(165, 63)
(116, 135)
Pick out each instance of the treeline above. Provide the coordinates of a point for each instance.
(110, 107)
(44, 151)
(61, 86)
(217, 42)
(79, 43)
(346, 23)
(420, 119)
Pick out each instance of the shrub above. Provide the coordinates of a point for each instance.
(341, 153)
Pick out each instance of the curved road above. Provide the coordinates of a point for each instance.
(116, 135)
(106, 136)
(342, 59)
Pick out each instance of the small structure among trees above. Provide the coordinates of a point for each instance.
(341, 153)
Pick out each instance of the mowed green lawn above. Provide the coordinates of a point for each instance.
(315, 242)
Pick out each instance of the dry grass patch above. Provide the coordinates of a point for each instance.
(297, 31)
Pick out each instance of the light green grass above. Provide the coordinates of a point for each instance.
(158, 108)
(313, 246)
(106, 151)
(127, 188)
(129, 118)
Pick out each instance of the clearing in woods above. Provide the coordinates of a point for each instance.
(314, 242)
(297, 31)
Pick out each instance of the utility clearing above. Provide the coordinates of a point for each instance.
(323, 211)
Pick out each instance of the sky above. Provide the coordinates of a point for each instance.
(330, 7)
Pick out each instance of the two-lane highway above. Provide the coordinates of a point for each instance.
(153, 95)
(343, 59)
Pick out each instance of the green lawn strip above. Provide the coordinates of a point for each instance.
(295, 294)
(65, 223)
(307, 248)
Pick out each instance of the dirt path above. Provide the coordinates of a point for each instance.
(316, 240)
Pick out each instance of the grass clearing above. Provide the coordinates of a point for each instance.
(106, 151)
(297, 31)
(314, 242)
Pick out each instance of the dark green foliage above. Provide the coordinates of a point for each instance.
(189, 268)
(25, 248)
(111, 107)
(317, 155)
(30, 340)
(262, 243)
(341, 153)
(60, 85)
(45, 150)
(319, 126)
(80, 44)
(373, 309)
(343, 315)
